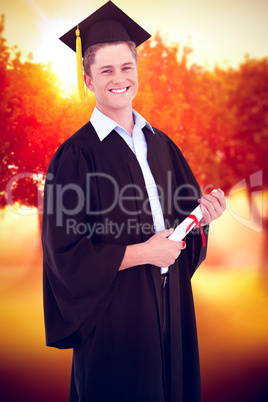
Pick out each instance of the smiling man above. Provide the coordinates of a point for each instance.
(116, 289)
(112, 76)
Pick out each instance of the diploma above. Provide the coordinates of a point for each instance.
(187, 224)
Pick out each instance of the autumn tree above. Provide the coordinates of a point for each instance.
(218, 118)
(36, 116)
(246, 151)
(186, 102)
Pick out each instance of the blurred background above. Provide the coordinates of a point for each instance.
(203, 80)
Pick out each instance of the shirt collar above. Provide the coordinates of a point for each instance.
(104, 125)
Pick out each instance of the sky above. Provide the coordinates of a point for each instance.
(220, 31)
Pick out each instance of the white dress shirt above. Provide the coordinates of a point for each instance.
(103, 126)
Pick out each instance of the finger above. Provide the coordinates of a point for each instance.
(209, 202)
(179, 245)
(182, 245)
(216, 199)
(220, 204)
(220, 190)
(212, 208)
(167, 232)
(222, 199)
(206, 214)
(210, 212)
(219, 195)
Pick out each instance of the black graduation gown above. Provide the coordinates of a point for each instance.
(112, 318)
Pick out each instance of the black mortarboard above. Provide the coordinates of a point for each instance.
(108, 24)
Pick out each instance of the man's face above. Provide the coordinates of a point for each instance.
(113, 78)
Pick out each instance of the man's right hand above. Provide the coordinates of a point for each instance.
(161, 251)
(158, 250)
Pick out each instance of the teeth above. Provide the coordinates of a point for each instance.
(118, 91)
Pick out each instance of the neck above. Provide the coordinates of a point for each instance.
(123, 117)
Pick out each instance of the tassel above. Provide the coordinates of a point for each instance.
(80, 75)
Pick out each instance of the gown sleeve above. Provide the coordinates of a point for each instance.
(188, 197)
(80, 275)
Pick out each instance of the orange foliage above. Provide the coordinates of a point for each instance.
(218, 118)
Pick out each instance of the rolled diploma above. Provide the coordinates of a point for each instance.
(181, 230)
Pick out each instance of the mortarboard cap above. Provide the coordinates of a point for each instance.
(108, 24)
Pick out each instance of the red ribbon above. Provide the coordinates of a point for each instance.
(196, 222)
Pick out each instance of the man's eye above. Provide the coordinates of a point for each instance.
(106, 71)
(127, 68)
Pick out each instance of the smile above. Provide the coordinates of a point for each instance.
(119, 91)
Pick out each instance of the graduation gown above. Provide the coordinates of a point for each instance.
(95, 204)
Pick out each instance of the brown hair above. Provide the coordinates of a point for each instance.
(90, 53)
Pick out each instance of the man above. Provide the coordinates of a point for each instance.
(116, 289)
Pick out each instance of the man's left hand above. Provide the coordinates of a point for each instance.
(212, 206)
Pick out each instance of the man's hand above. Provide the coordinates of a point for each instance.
(161, 251)
(212, 206)
(158, 250)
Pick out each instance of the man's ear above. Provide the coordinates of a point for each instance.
(88, 82)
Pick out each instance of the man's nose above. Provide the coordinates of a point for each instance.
(118, 77)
